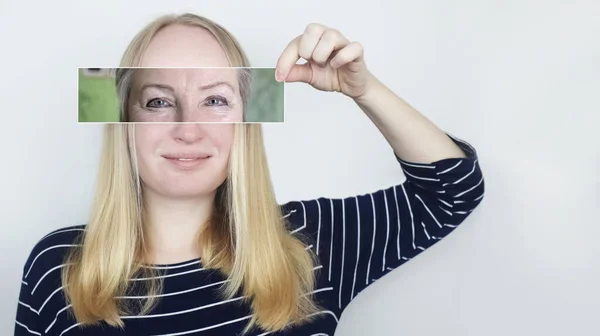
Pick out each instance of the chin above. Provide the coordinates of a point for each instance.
(176, 190)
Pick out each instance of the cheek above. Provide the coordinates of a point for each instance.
(147, 138)
(238, 114)
(222, 138)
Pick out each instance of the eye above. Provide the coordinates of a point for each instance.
(158, 103)
(217, 101)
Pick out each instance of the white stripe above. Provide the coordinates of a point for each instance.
(448, 212)
(173, 293)
(477, 199)
(304, 216)
(169, 275)
(417, 166)
(44, 251)
(471, 172)
(424, 229)
(319, 334)
(317, 267)
(28, 306)
(56, 317)
(171, 266)
(331, 245)
(421, 178)
(387, 233)
(449, 169)
(463, 212)
(60, 231)
(457, 201)
(308, 247)
(318, 291)
(69, 328)
(373, 242)
(449, 225)
(28, 330)
(357, 247)
(207, 328)
(45, 274)
(289, 213)
(445, 203)
(50, 296)
(430, 213)
(398, 217)
(343, 250)
(24, 283)
(325, 312)
(319, 227)
(421, 248)
(412, 220)
(183, 311)
(472, 188)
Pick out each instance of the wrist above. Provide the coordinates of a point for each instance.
(372, 87)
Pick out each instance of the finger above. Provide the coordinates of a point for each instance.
(332, 40)
(300, 73)
(309, 40)
(353, 52)
(287, 59)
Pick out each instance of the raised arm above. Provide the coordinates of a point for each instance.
(360, 239)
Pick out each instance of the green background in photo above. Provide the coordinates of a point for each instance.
(266, 97)
(98, 100)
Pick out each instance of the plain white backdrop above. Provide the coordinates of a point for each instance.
(520, 80)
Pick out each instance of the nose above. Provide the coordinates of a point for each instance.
(186, 111)
(188, 133)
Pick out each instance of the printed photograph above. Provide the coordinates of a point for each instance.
(113, 95)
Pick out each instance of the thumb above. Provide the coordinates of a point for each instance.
(300, 73)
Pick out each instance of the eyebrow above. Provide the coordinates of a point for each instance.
(203, 87)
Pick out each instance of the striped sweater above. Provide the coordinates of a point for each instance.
(357, 240)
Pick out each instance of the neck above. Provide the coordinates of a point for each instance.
(171, 227)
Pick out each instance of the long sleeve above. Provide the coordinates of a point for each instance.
(27, 319)
(360, 239)
(42, 307)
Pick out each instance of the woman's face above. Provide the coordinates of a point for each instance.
(185, 95)
(182, 160)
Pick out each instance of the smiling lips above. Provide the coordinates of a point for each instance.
(187, 161)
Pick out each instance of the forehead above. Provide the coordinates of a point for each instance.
(185, 77)
(184, 46)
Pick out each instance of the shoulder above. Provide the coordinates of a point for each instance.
(51, 250)
(306, 215)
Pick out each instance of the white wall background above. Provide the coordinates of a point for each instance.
(520, 80)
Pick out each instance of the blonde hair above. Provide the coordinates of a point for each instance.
(246, 238)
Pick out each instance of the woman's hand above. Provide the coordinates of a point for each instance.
(333, 62)
(336, 64)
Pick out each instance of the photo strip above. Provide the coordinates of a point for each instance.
(208, 94)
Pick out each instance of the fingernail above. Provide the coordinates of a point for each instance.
(278, 76)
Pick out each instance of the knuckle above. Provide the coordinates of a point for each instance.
(313, 28)
(331, 35)
(359, 46)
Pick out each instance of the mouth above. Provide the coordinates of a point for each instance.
(187, 160)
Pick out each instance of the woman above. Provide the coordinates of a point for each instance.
(186, 238)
